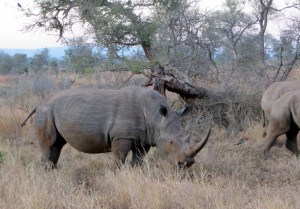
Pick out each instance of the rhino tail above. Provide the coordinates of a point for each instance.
(264, 118)
(32, 112)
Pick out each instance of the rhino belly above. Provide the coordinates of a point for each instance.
(84, 135)
(98, 140)
(87, 142)
(90, 146)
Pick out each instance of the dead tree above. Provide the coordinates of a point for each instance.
(162, 81)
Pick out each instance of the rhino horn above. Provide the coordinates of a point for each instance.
(184, 111)
(196, 147)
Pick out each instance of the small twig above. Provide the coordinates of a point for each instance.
(20, 108)
(220, 103)
(126, 80)
(149, 83)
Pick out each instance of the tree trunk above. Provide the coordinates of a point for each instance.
(165, 81)
(262, 66)
(263, 22)
(162, 80)
(185, 90)
(148, 53)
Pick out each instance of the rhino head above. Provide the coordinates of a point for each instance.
(173, 145)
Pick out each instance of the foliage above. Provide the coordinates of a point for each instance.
(2, 157)
(112, 24)
(40, 60)
(136, 66)
(80, 56)
(53, 65)
(177, 33)
(20, 63)
(6, 63)
(231, 25)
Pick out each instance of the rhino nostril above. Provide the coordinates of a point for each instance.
(180, 165)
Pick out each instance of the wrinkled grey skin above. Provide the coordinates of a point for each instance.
(284, 119)
(274, 92)
(118, 121)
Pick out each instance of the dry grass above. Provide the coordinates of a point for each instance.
(225, 175)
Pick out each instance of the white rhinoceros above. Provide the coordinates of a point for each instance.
(274, 92)
(284, 118)
(118, 121)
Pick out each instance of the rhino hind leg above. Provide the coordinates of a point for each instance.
(138, 153)
(50, 140)
(120, 149)
(291, 139)
(50, 154)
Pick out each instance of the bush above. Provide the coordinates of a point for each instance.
(2, 156)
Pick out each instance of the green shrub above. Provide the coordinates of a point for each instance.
(2, 156)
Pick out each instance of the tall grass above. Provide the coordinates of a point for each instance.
(225, 175)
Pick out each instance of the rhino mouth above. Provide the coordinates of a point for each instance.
(187, 164)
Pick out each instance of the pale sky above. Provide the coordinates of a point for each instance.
(12, 22)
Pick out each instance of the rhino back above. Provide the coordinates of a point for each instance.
(89, 119)
(293, 100)
(286, 108)
(275, 91)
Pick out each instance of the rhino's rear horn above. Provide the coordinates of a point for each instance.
(196, 147)
(184, 111)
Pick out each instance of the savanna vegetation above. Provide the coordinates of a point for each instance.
(225, 53)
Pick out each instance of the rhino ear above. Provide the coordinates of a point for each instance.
(184, 111)
(163, 111)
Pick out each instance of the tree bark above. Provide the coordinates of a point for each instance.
(148, 53)
(185, 90)
(166, 81)
(263, 22)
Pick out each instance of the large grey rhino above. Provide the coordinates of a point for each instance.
(284, 119)
(274, 92)
(118, 121)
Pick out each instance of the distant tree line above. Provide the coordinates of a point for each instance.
(82, 57)
(21, 63)
(79, 57)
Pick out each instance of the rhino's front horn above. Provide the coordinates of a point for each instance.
(196, 147)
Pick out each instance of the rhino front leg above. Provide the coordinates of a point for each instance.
(291, 139)
(275, 129)
(138, 153)
(120, 149)
(265, 128)
(269, 142)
